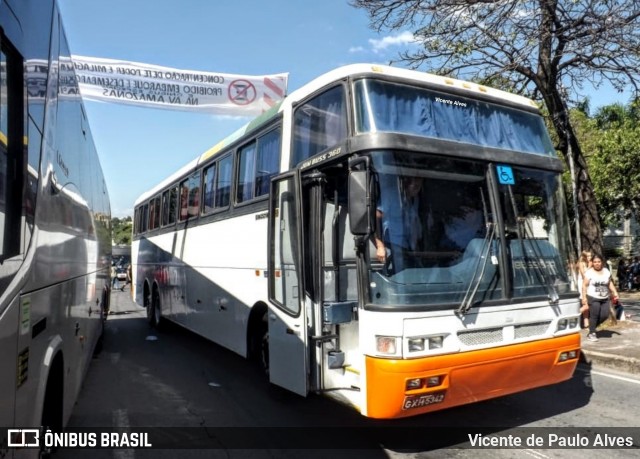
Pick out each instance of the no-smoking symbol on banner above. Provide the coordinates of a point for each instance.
(242, 92)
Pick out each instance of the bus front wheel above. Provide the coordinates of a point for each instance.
(263, 343)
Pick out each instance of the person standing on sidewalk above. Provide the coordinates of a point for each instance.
(114, 276)
(596, 288)
(583, 264)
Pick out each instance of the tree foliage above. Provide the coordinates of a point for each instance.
(545, 49)
(615, 162)
(121, 230)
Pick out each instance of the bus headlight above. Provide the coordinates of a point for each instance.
(562, 324)
(573, 323)
(435, 342)
(416, 344)
(425, 343)
(387, 345)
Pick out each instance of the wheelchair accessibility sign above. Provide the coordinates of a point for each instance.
(505, 175)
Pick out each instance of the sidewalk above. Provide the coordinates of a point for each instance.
(618, 347)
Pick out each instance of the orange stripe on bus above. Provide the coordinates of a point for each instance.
(468, 376)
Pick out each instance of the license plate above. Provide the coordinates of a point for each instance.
(418, 401)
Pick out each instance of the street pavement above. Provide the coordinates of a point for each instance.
(617, 348)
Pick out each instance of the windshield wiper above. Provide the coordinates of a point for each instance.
(479, 270)
(524, 231)
(481, 265)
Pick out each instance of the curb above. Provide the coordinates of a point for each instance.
(610, 361)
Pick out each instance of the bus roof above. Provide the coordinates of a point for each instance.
(408, 75)
(340, 73)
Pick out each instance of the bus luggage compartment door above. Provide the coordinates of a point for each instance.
(287, 314)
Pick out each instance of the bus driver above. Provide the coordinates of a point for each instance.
(398, 222)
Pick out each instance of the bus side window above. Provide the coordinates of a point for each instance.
(184, 200)
(12, 167)
(223, 182)
(144, 218)
(208, 191)
(258, 162)
(246, 176)
(319, 124)
(166, 208)
(268, 161)
(194, 195)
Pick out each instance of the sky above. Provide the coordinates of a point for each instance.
(140, 147)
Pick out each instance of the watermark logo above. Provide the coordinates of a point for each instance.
(23, 438)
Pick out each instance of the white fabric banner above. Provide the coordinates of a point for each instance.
(147, 85)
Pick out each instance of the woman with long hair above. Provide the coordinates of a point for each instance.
(583, 264)
(596, 288)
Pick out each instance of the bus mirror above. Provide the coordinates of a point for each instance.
(359, 203)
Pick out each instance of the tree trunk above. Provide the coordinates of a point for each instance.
(590, 229)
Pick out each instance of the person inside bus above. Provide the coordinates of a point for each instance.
(466, 224)
(399, 225)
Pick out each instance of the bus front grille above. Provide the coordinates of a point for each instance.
(480, 337)
(529, 330)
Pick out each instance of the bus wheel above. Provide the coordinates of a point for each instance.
(52, 406)
(104, 312)
(155, 312)
(148, 305)
(263, 343)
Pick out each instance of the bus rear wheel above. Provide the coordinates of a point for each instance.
(152, 306)
(147, 305)
(155, 313)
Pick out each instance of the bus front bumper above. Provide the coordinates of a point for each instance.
(466, 377)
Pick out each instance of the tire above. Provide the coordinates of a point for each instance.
(154, 313)
(104, 313)
(263, 346)
(52, 406)
(147, 303)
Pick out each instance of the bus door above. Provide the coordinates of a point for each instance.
(287, 324)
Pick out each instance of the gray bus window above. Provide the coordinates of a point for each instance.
(165, 208)
(194, 195)
(12, 149)
(246, 172)
(319, 124)
(144, 218)
(223, 183)
(268, 161)
(154, 213)
(208, 192)
(184, 200)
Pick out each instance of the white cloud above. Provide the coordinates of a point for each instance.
(356, 49)
(379, 45)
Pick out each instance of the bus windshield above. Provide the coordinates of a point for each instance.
(438, 241)
(389, 107)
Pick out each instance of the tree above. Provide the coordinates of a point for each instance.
(615, 163)
(545, 49)
(122, 230)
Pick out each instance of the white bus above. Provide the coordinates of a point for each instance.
(55, 237)
(266, 244)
